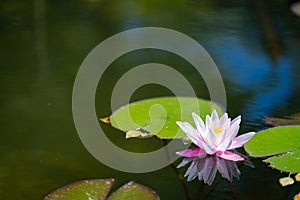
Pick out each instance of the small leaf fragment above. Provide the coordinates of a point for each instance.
(297, 196)
(140, 133)
(297, 177)
(285, 181)
(105, 120)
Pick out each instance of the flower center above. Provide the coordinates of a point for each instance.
(218, 130)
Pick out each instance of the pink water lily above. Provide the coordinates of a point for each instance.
(215, 137)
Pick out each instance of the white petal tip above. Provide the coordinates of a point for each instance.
(179, 123)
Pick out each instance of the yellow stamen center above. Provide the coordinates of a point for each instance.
(218, 130)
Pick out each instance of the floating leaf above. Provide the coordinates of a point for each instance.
(98, 189)
(289, 120)
(87, 189)
(282, 142)
(285, 181)
(288, 162)
(158, 116)
(133, 191)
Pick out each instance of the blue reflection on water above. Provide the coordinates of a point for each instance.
(251, 72)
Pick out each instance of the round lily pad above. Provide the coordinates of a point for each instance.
(158, 116)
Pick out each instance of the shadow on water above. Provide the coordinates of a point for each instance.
(255, 44)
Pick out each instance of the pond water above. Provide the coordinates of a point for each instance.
(255, 45)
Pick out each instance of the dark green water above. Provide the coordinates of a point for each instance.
(43, 43)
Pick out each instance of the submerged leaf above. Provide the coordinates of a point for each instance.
(158, 116)
(280, 142)
(289, 120)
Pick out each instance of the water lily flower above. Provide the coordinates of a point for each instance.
(205, 168)
(215, 137)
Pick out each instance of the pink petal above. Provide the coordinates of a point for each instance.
(222, 167)
(191, 172)
(228, 168)
(198, 152)
(224, 146)
(199, 123)
(241, 140)
(229, 156)
(233, 169)
(209, 149)
(223, 119)
(238, 118)
(210, 137)
(223, 136)
(234, 128)
(208, 122)
(214, 116)
(190, 132)
(209, 170)
(184, 162)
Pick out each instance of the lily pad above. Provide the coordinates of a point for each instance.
(280, 142)
(133, 191)
(87, 189)
(158, 116)
(289, 162)
(98, 189)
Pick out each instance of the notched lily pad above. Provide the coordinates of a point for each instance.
(288, 162)
(158, 116)
(86, 189)
(280, 142)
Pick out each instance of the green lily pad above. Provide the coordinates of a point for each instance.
(133, 191)
(158, 116)
(280, 142)
(86, 189)
(289, 162)
(98, 189)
